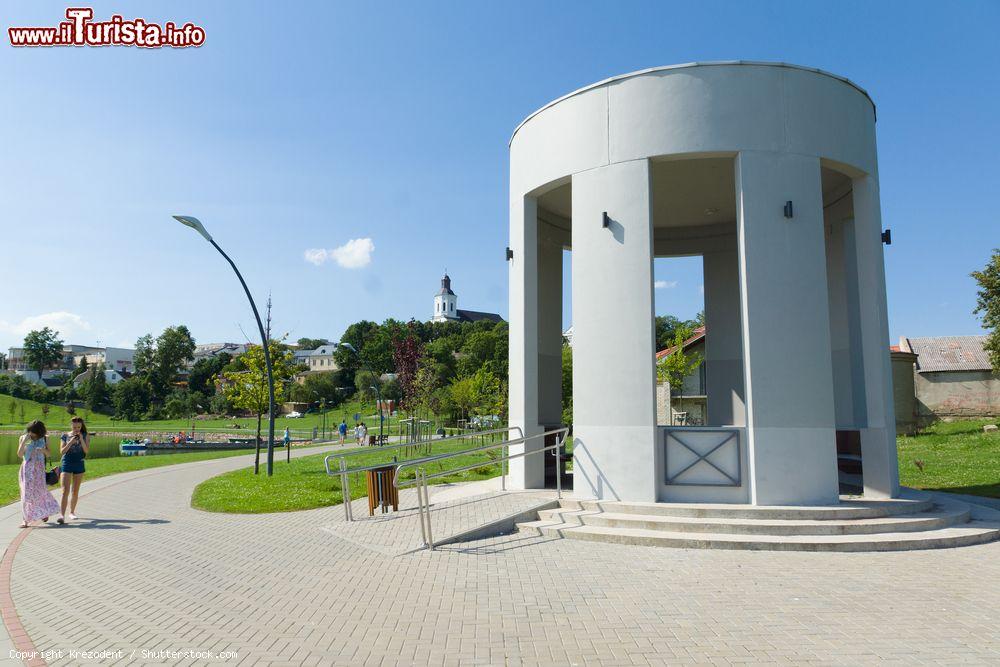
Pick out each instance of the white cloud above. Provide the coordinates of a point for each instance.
(67, 324)
(665, 284)
(316, 256)
(355, 254)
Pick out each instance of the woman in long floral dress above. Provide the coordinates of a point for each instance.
(36, 501)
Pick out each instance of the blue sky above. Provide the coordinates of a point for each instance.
(303, 126)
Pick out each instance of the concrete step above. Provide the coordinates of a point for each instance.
(850, 507)
(973, 532)
(939, 516)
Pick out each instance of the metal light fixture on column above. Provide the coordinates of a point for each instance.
(196, 225)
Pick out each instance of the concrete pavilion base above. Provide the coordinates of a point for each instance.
(919, 520)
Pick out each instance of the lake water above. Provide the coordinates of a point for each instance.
(101, 447)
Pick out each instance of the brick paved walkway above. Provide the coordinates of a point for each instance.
(151, 573)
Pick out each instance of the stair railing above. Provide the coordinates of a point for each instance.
(344, 472)
(420, 474)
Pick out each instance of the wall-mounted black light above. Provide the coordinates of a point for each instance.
(788, 208)
(509, 254)
(605, 220)
(887, 237)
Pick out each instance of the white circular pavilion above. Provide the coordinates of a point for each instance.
(769, 173)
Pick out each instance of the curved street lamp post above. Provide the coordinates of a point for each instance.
(196, 225)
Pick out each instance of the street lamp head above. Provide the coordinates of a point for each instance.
(193, 223)
(346, 346)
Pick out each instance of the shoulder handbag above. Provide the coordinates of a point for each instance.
(52, 476)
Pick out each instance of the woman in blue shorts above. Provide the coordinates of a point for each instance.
(74, 449)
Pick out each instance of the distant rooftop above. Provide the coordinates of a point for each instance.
(950, 353)
(476, 316)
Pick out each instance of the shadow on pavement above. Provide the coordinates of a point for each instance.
(104, 524)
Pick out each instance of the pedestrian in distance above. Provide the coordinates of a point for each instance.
(74, 449)
(287, 438)
(33, 449)
(342, 429)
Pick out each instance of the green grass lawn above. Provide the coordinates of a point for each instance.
(303, 484)
(956, 456)
(9, 490)
(58, 419)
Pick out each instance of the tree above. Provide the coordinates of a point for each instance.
(380, 343)
(423, 388)
(487, 392)
(42, 349)
(3, 361)
(248, 389)
(677, 365)
(81, 369)
(988, 306)
(311, 343)
(407, 355)
(131, 398)
(328, 385)
(145, 350)
(201, 379)
(478, 349)
(363, 382)
(463, 396)
(219, 404)
(95, 391)
(182, 403)
(174, 347)
(391, 391)
(356, 335)
(667, 325)
(567, 384)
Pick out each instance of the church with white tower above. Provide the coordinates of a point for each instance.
(446, 307)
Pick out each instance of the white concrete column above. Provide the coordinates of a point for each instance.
(723, 342)
(523, 337)
(786, 330)
(845, 329)
(878, 440)
(615, 454)
(550, 256)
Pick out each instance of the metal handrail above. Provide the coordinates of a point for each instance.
(420, 475)
(344, 471)
(411, 443)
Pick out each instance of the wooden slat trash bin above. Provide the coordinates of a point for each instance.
(381, 491)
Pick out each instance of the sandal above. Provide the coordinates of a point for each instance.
(24, 524)
(60, 520)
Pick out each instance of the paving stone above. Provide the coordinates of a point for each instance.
(308, 588)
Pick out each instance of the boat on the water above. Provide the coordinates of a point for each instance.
(140, 447)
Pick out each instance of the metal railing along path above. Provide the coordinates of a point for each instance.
(420, 475)
(343, 471)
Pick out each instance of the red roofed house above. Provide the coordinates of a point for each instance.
(688, 405)
(952, 378)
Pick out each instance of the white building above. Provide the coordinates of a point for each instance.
(769, 173)
(17, 362)
(211, 350)
(446, 307)
(114, 358)
(110, 376)
(321, 359)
